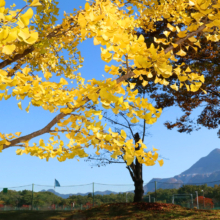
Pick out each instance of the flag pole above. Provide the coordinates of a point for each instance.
(54, 193)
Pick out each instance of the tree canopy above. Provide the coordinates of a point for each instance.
(31, 57)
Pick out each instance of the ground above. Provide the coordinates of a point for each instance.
(128, 211)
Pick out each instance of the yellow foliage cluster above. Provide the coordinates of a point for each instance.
(35, 46)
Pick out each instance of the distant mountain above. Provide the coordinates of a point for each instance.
(208, 164)
(206, 169)
(65, 196)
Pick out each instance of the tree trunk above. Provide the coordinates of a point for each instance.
(138, 180)
(138, 183)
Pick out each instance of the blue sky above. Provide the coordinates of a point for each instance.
(182, 150)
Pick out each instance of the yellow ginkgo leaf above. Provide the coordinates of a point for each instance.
(144, 83)
(3, 86)
(97, 153)
(47, 75)
(123, 134)
(171, 27)
(2, 3)
(155, 156)
(107, 68)
(96, 41)
(7, 96)
(1, 96)
(154, 149)
(32, 39)
(187, 87)
(27, 16)
(26, 70)
(19, 151)
(181, 53)
(134, 120)
(106, 56)
(192, 39)
(18, 133)
(24, 33)
(129, 160)
(182, 34)
(197, 44)
(19, 105)
(27, 109)
(63, 81)
(12, 36)
(195, 88)
(205, 5)
(216, 22)
(149, 75)
(132, 85)
(188, 70)
(175, 45)
(191, 3)
(8, 49)
(160, 162)
(82, 21)
(174, 86)
(157, 80)
(164, 82)
(35, 3)
(182, 78)
(87, 6)
(166, 33)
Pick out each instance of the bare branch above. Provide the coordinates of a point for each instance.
(114, 121)
(131, 174)
(214, 92)
(129, 126)
(101, 159)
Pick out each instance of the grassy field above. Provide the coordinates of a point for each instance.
(127, 211)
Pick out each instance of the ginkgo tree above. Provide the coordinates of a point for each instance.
(31, 46)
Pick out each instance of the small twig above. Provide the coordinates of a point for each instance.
(114, 121)
(129, 126)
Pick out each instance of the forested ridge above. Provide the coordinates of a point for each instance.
(20, 198)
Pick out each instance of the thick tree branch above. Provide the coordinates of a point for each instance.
(16, 57)
(130, 73)
(44, 130)
(54, 33)
(180, 41)
(16, 67)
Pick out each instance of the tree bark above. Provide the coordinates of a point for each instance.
(137, 176)
(138, 183)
